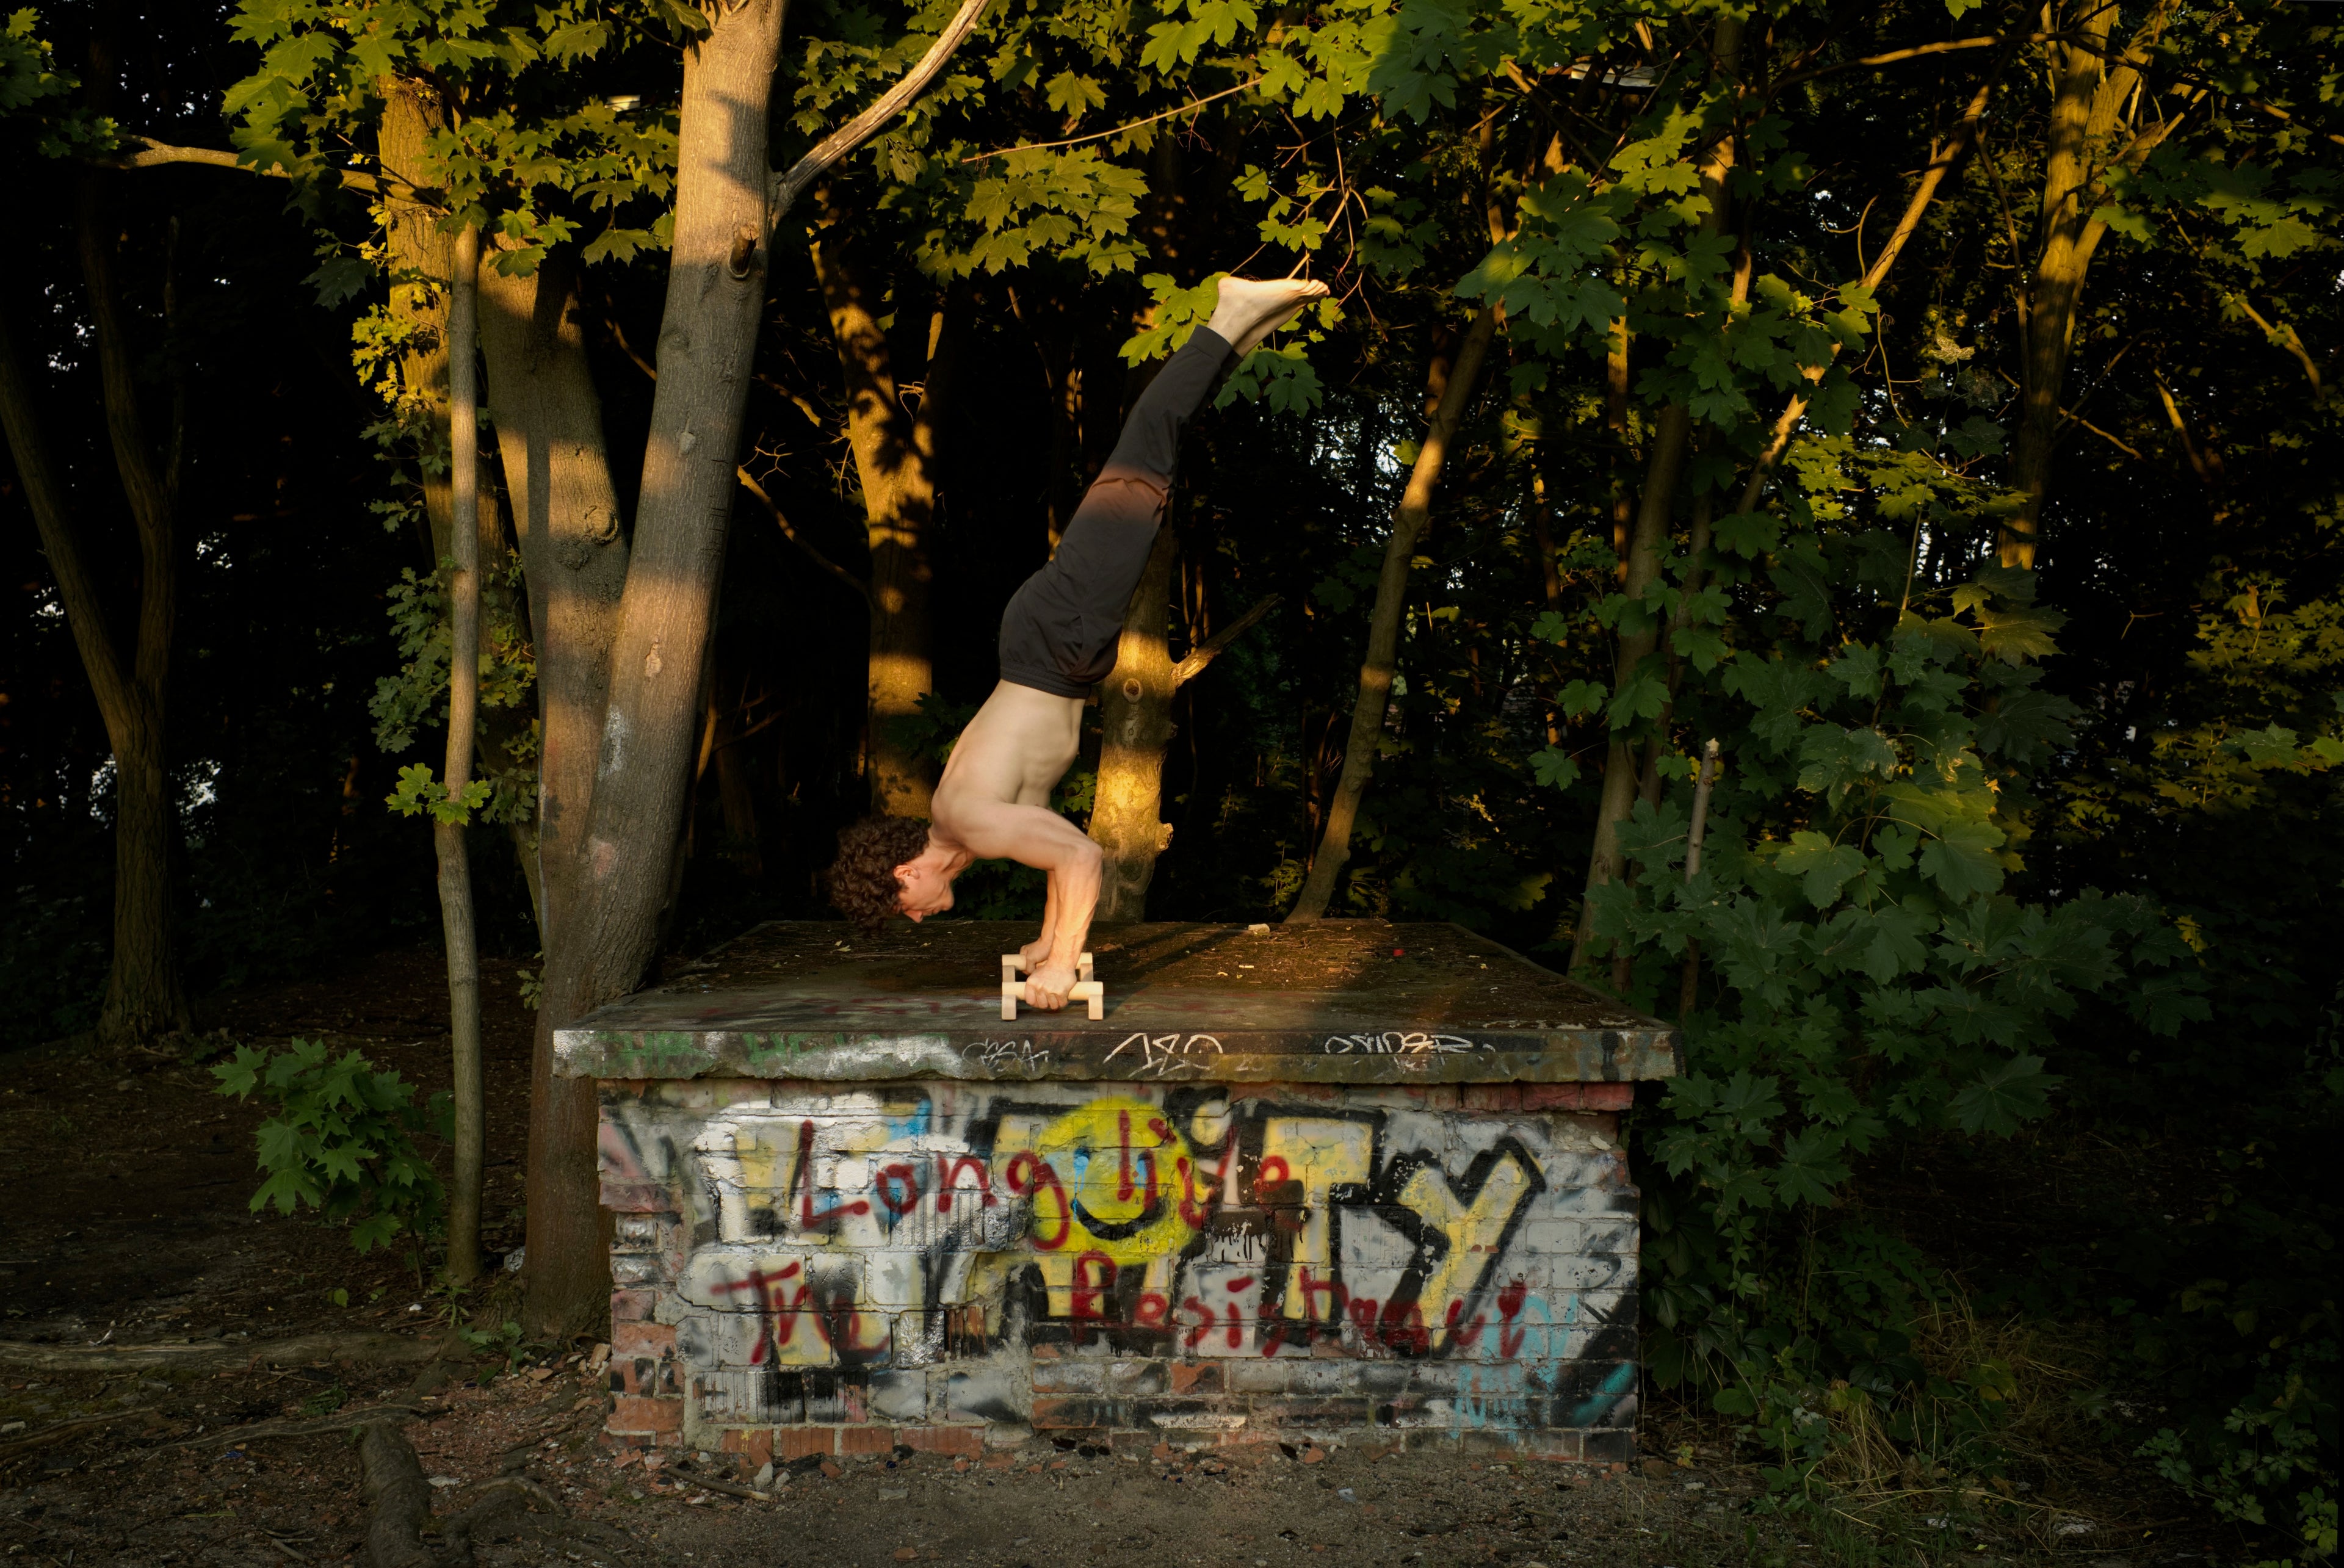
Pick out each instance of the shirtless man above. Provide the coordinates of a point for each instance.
(1058, 640)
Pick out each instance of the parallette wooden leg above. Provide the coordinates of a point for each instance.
(1085, 991)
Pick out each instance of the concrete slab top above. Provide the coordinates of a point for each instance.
(1336, 1002)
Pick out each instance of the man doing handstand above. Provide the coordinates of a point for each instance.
(1057, 641)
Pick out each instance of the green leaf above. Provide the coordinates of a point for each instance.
(2006, 1096)
(1821, 866)
(1960, 859)
(2273, 746)
(1734, 1401)
(1581, 697)
(1554, 767)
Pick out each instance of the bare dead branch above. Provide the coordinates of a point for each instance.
(786, 188)
(147, 152)
(1205, 652)
(1113, 130)
(749, 483)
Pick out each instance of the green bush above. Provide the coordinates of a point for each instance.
(344, 1139)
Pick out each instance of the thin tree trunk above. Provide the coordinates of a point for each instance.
(895, 460)
(412, 115)
(143, 995)
(1689, 980)
(1641, 567)
(2094, 99)
(1410, 519)
(1941, 161)
(463, 713)
(607, 940)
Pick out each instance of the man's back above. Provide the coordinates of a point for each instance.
(1014, 751)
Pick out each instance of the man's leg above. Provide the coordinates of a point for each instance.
(1060, 630)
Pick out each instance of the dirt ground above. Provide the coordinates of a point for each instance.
(130, 1227)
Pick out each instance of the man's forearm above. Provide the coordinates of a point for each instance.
(1075, 889)
(1049, 911)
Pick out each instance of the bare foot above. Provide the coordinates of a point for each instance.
(1250, 309)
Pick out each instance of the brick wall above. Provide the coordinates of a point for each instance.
(816, 1268)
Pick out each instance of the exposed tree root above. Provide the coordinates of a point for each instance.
(398, 1504)
(397, 1500)
(16, 1448)
(342, 1420)
(299, 1351)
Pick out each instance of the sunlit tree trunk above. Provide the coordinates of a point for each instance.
(1453, 388)
(463, 710)
(895, 452)
(420, 263)
(606, 929)
(2094, 108)
(1135, 727)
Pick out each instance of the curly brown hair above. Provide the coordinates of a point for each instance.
(862, 883)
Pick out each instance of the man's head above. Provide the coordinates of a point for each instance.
(884, 868)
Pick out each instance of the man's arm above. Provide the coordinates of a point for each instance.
(1031, 836)
(1038, 949)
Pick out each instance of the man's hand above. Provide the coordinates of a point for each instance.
(1034, 954)
(1047, 987)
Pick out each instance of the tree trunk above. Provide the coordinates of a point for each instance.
(1642, 566)
(556, 469)
(412, 115)
(607, 939)
(895, 463)
(1134, 726)
(2094, 94)
(463, 712)
(1410, 519)
(144, 996)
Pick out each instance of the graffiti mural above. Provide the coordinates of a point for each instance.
(1183, 1256)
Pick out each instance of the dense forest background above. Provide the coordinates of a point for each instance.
(1930, 403)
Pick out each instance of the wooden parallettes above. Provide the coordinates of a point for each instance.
(1085, 989)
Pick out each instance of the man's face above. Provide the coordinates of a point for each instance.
(927, 890)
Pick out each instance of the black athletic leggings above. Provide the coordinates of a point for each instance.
(1059, 633)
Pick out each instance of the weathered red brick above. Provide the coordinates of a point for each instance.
(633, 1306)
(958, 1440)
(1196, 1377)
(637, 1338)
(1079, 1414)
(635, 1412)
(1578, 1096)
(804, 1442)
(865, 1438)
(1494, 1097)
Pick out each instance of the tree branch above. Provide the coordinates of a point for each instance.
(862, 589)
(149, 153)
(1211, 648)
(1923, 195)
(21, 398)
(786, 188)
(1114, 130)
(1919, 50)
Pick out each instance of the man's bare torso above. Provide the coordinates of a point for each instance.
(994, 803)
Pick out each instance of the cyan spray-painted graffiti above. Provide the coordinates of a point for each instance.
(956, 1228)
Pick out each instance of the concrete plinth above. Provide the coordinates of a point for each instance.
(1351, 1181)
